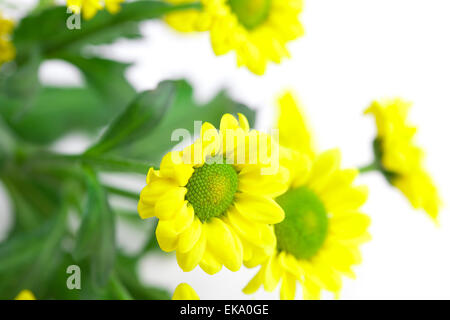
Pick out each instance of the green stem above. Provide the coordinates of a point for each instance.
(119, 289)
(121, 192)
(102, 162)
(368, 168)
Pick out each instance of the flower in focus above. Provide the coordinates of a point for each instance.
(257, 30)
(25, 295)
(185, 292)
(7, 50)
(214, 199)
(319, 239)
(89, 8)
(399, 158)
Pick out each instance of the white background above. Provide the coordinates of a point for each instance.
(354, 51)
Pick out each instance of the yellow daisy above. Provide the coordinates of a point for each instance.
(319, 239)
(215, 205)
(91, 7)
(399, 158)
(7, 50)
(257, 30)
(185, 292)
(25, 295)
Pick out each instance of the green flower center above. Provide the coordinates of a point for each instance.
(304, 229)
(211, 190)
(251, 13)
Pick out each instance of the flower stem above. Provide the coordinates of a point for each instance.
(121, 192)
(119, 289)
(368, 168)
(105, 163)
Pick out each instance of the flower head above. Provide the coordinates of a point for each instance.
(257, 30)
(89, 8)
(318, 241)
(7, 50)
(214, 199)
(185, 292)
(25, 295)
(398, 156)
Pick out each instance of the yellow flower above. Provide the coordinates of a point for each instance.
(399, 158)
(91, 7)
(7, 50)
(214, 199)
(185, 292)
(25, 295)
(319, 239)
(257, 30)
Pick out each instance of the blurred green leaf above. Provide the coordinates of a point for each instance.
(96, 236)
(28, 259)
(182, 113)
(53, 36)
(138, 119)
(126, 269)
(107, 77)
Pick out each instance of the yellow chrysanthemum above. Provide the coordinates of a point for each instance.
(257, 30)
(398, 156)
(25, 295)
(7, 50)
(214, 204)
(185, 292)
(89, 8)
(319, 239)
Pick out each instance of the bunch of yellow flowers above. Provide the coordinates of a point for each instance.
(7, 51)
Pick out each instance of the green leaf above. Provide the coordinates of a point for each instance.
(53, 36)
(107, 77)
(29, 259)
(96, 236)
(138, 120)
(55, 112)
(182, 114)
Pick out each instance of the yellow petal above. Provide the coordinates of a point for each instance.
(228, 121)
(167, 237)
(243, 122)
(184, 292)
(25, 295)
(145, 210)
(288, 287)
(254, 283)
(293, 130)
(223, 244)
(259, 209)
(323, 168)
(189, 260)
(190, 236)
(170, 203)
(173, 166)
(251, 180)
(209, 263)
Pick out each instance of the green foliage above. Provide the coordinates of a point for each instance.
(96, 236)
(48, 191)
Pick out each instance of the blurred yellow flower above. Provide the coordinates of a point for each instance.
(89, 8)
(7, 50)
(398, 156)
(185, 292)
(25, 295)
(257, 30)
(213, 212)
(319, 239)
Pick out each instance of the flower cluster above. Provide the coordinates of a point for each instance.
(89, 8)
(7, 51)
(257, 30)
